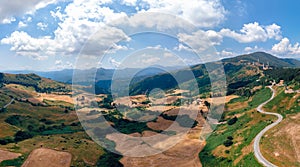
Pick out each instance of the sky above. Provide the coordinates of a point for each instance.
(48, 35)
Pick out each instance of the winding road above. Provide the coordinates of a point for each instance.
(257, 152)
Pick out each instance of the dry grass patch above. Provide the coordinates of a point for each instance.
(281, 145)
(7, 130)
(7, 155)
(47, 157)
(78, 144)
(55, 97)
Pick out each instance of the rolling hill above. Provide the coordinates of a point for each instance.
(240, 72)
(32, 80)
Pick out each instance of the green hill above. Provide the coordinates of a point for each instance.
(32, 80)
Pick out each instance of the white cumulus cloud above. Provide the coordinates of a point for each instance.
(77, 23)
(284, 47)
(202, 13)
(200, 40)
(253, 32)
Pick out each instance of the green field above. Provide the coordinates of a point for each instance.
(237, 136)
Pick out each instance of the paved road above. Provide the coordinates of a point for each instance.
(257, 152)
(12, 100)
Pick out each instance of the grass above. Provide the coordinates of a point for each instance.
(7, 130)
(4, 99)
(248, 125)
(57, 132)
(84, 151)
(280, 104)
(14, 162)
(58, 103)
(239, 99)
(249, 160)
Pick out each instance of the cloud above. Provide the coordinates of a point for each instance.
(79, 19)
(42, 26)
(22, 24)
(8, 20)
(253, 32)
(225, 53)
(129, 2)
(168, 55)
(150, 60)
(14, 8)
(77, 22)
(170, 15)
(202, 13)
(199, 41)
(157, 47)
(23, 44)
(182, 47)
(249, 49)
(59, 64)
(114, 62)
(284, 47)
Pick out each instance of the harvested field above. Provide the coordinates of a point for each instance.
(221, 100)
(160, 108)
(55, 97)
(160, 124)
(165, 100)
(47, 157)
(183, 154)
(6, 155)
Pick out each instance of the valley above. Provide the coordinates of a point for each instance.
(45, 120)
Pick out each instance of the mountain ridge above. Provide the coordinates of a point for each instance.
(265, 58)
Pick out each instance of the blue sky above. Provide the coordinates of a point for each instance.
(52, 34)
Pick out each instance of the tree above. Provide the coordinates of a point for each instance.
(206, 103)
(3, 110)
(232, 121)
(228, 143)
(22, 135)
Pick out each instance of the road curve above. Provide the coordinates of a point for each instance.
(257, 152)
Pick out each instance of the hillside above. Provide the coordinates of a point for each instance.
(32, 80)
(241, 74)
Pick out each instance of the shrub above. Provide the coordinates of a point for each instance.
(6, 140)
(230, 138)
(228, 143)
(232, 121)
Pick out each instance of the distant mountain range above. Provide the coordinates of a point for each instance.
(153, 77)
(106, 74)
(103, 74)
